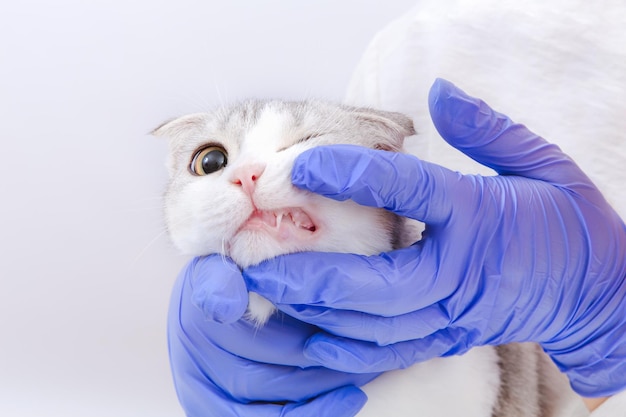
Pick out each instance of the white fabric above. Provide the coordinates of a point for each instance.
(557, 66)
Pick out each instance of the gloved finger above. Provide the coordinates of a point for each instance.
(200, 350)
(344, 402)
(248, 381)
(398, 182)
(231, 337)
(200, 398)
(372, 328)
(494, 140)
(219, 290)
(375, 285)
(350, 355)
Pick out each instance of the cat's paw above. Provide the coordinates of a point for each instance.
(259, 309)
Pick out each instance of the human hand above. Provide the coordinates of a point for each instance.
(226, 367)
(532, 254)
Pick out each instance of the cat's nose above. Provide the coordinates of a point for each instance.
(246, 176)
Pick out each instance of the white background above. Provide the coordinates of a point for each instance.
(85, 269)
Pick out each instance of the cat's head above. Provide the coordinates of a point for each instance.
(230, 188)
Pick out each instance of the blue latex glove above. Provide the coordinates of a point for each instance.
(533, 254)
(232, 369)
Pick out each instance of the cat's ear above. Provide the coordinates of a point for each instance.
(391, 128)
(182, 126)
(180, 131)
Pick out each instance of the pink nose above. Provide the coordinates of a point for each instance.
(247, 175)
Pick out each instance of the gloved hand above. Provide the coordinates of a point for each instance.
(232, 369)
(532, 254)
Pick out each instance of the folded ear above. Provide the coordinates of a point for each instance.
(391, 127)
(180, 127)
(180, 131)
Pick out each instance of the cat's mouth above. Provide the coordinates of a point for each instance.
(280, 220)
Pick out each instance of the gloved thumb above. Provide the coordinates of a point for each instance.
(219, 290)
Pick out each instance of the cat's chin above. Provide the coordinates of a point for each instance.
(250, 247)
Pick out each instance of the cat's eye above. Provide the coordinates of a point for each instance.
(208, 160)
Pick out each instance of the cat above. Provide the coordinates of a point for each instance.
(230, 192)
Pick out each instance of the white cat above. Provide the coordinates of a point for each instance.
(230, 192)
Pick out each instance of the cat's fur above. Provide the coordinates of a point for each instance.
(250, 211)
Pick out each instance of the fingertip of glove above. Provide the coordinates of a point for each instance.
(353, 399)
(221, 298)
(264, 278)
(222, 308)
(314, 170)
(200, 266)
(440, 91)
(327, 170)
(297, 172)
(345, 402)
(462, 120)
(319, 348)
(226, 313)
(301, 172)
(449, 109)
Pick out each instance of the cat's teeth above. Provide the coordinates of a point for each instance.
(293, 220)
(279, 219)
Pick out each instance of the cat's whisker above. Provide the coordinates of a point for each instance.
(139, 209)
(223, 256)
(148, 246)
(223, 250)
(152, 196)
(140, 202)
(219, 94)
(308, 95)
(331, 122)
(199, 102)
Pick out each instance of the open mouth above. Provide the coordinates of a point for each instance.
(281, 219)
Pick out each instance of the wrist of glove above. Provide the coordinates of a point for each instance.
(532, 254)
